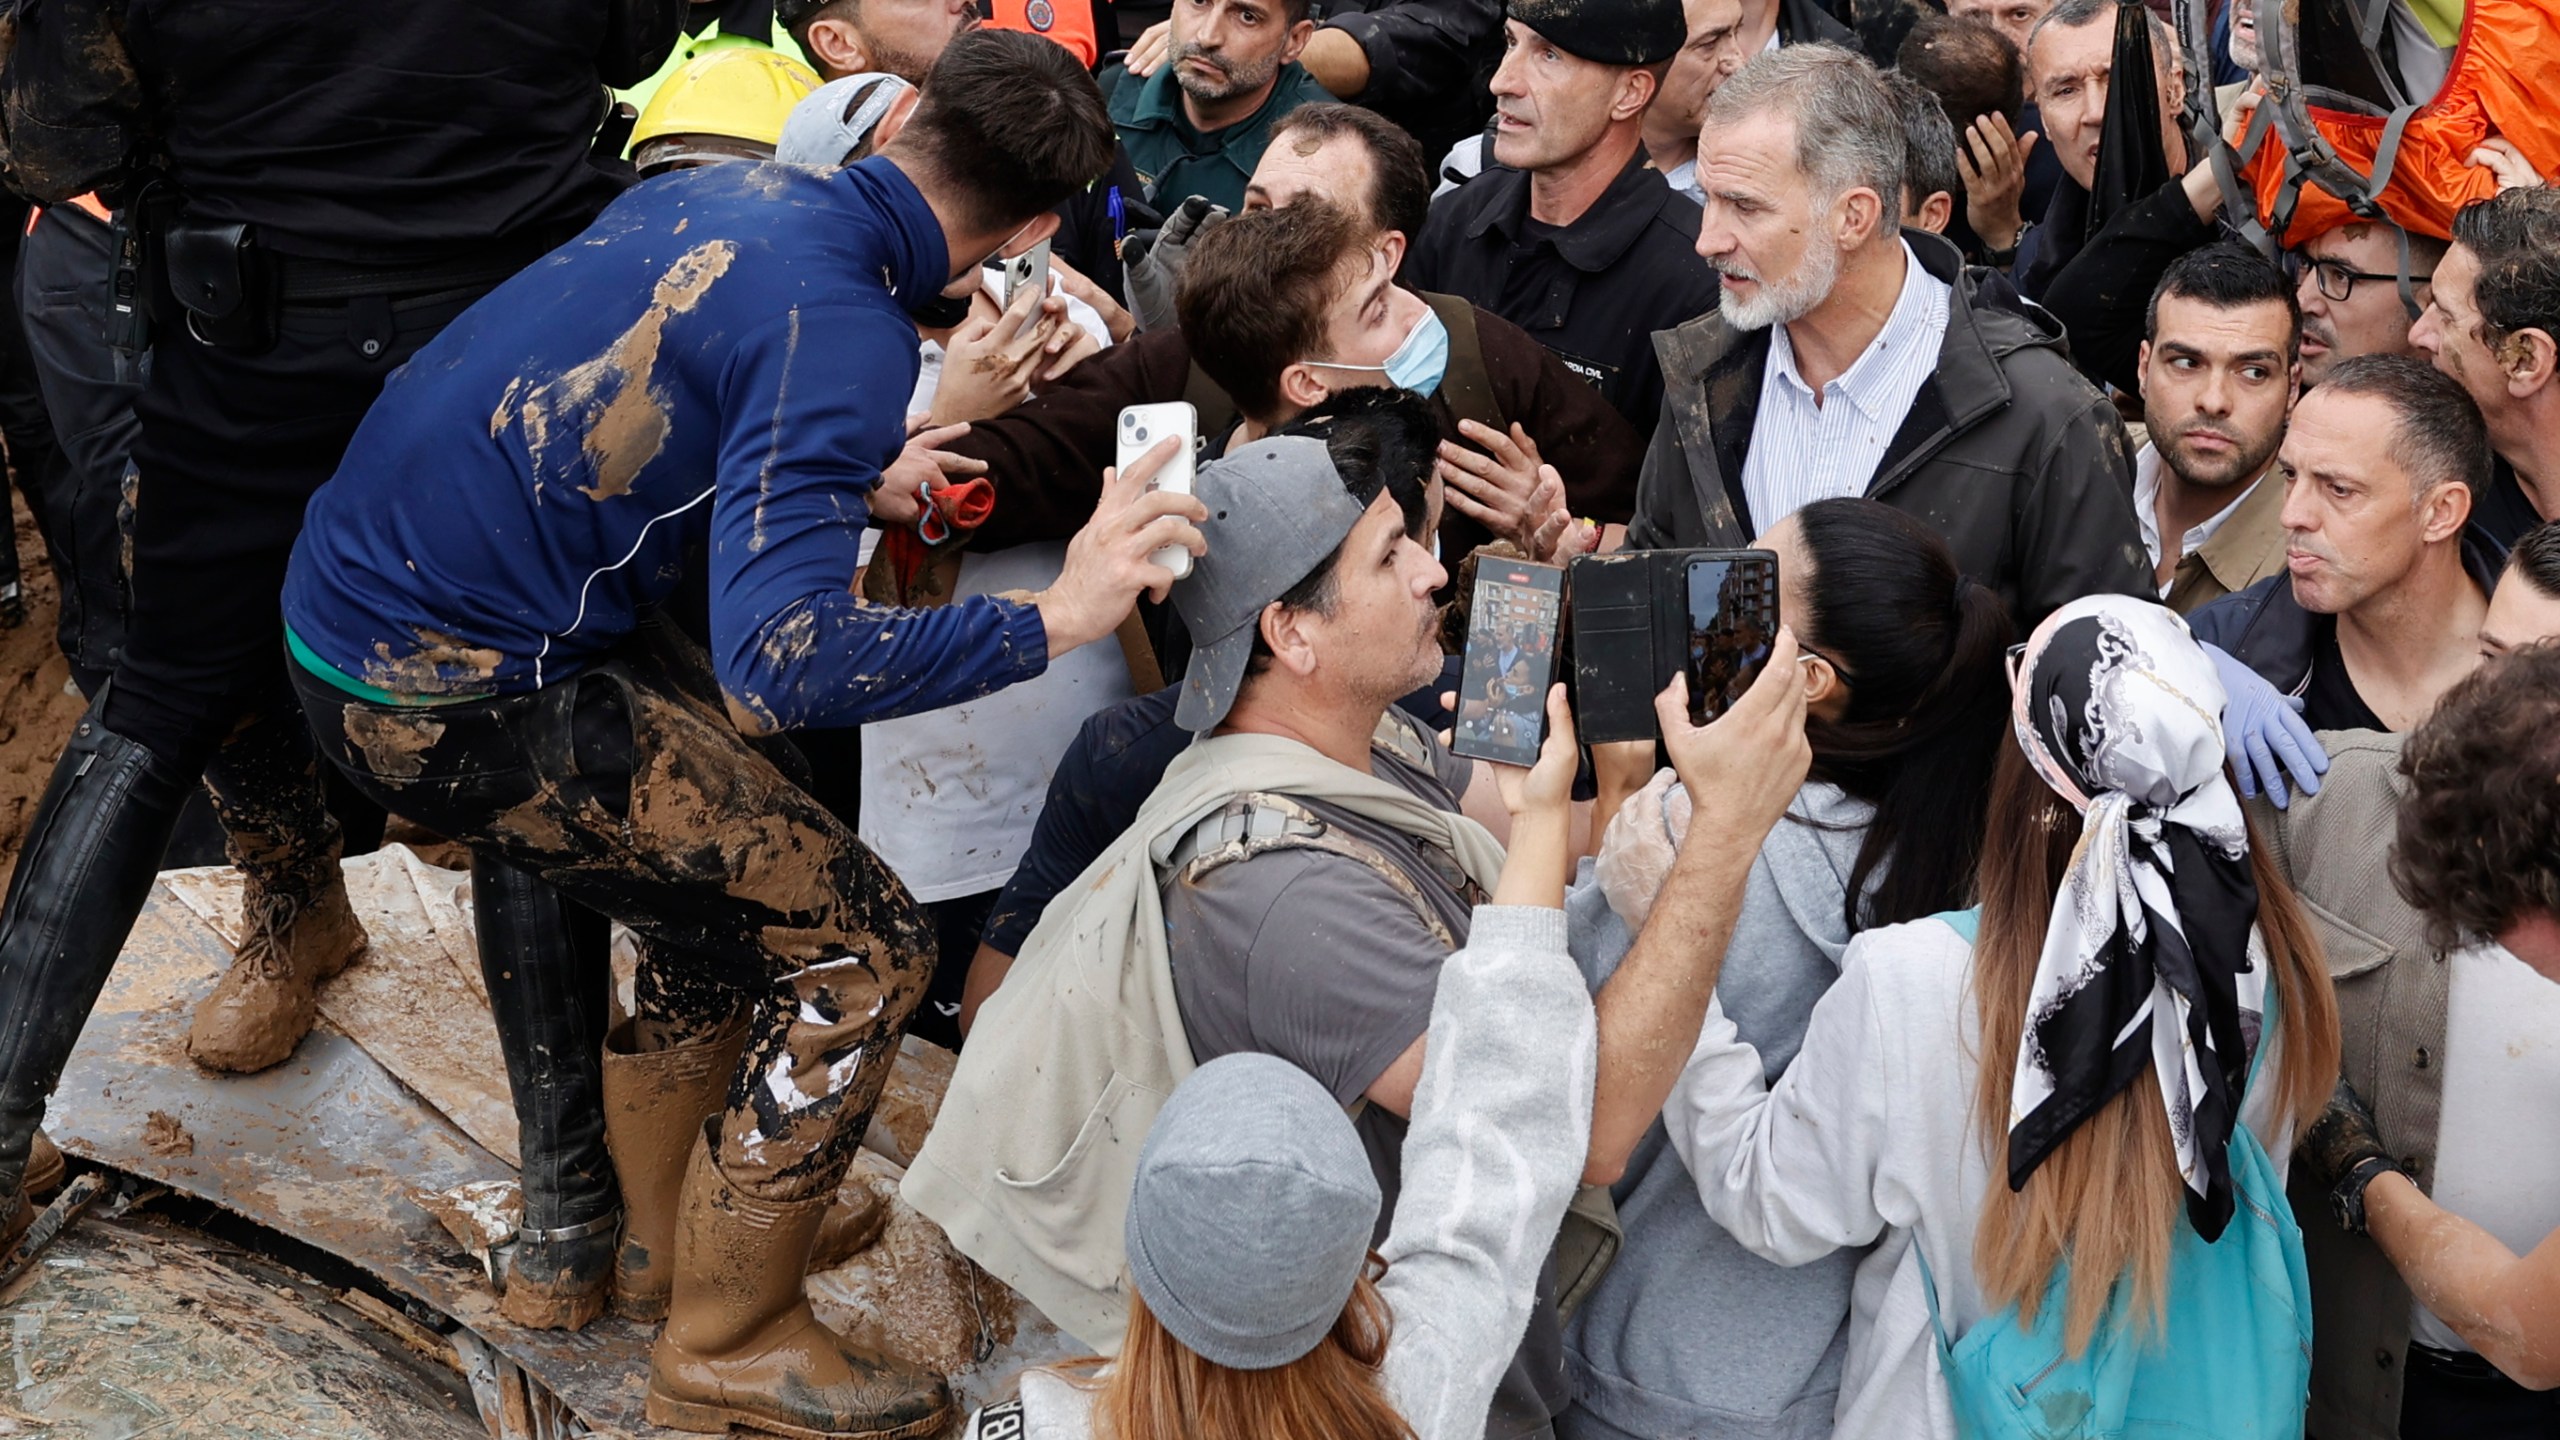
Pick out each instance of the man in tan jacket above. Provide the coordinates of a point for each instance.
(2220, 368)
(2384, 1365)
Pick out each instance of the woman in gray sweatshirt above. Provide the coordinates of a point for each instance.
(1688, 1334)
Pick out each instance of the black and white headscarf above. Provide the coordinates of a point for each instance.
(2153, 952)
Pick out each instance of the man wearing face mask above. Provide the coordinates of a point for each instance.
(1505, 404)
(1573, 236)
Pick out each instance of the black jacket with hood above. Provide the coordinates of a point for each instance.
(2006, 452)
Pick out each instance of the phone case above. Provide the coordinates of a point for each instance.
(1141, 428)
(1620, 644)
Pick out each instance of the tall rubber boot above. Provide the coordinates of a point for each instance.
(742, 1348)
(654, 1104)
(90, 858)
(550, 974)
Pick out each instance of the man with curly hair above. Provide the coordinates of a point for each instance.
(2432, 862)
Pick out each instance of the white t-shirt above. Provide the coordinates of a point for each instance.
(2498, 1144)
(949, 796)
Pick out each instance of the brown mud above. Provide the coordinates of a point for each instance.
(36, 712)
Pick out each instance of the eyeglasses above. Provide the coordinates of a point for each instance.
(2336, 281)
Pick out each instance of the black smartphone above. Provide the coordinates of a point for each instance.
(1733, 622)
(1510, 661)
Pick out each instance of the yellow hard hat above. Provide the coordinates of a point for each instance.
(736, 92)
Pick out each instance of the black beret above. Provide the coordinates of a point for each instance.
(1612, 32)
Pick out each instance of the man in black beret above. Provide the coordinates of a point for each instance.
(1570, 234)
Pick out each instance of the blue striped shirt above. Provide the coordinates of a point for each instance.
(1803, 451)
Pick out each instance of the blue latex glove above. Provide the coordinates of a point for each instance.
(2263, 733)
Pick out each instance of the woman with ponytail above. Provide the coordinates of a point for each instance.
(2061, 1117)
(1906, 706)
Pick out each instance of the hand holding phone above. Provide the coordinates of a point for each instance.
(1141, 427)
(1744, 768)
(1510, 661)
(1021, 272)
(1733, 620)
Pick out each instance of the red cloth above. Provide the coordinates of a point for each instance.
(955, 509)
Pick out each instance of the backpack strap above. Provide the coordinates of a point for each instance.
(1259, 822)
(1467, 385)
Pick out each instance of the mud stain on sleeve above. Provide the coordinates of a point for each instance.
(617, 419)
(394, 746)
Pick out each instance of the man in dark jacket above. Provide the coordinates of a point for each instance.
(350, 178)
(1847, 359)
(1044, 455)
(2387, 580)
(1574, 237)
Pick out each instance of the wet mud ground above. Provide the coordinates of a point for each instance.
(146, 1326)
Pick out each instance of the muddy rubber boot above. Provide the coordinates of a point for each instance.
(91, 857)
(654, 1104)
(268, 999)
(549, 972)
(742, 1348)
(853, 1223)
(44, 1172)
(45, 1168)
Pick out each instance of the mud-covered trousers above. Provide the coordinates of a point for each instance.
(627, 789)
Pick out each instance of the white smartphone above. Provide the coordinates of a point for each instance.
(1142, 427)
(1031, 267)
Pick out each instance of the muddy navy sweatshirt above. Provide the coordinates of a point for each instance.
(715, 373)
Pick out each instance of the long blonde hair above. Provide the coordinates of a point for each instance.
(2109, 1196)
(1162, 1389)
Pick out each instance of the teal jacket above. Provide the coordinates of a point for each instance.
(1175, 161)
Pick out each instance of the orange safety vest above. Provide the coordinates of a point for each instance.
(1069, 22)
(2503, 80)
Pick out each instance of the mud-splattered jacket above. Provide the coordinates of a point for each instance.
(2020, 465)
(719, 368)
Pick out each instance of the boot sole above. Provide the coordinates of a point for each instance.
(699, 1418)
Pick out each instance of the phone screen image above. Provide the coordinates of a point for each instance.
(1511, 657)
(1733, 622)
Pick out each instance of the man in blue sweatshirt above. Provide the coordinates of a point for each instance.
(710, 385)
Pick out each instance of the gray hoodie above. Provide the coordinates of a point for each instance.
(1689, 1334)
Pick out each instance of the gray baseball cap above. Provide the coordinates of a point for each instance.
(1250, 1219)
(1277, 508)
(837, 117)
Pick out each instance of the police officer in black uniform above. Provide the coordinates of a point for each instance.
(1570, 234)
(311, 190)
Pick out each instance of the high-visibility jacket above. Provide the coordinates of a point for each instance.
(2504, 73)
(1069, 22)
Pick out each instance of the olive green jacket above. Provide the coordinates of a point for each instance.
(2392, 990)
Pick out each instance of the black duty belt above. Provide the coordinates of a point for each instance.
(301, 280)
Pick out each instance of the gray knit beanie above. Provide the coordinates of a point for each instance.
(1251, 1216)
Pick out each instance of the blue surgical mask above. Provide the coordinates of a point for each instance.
(1419, 363)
